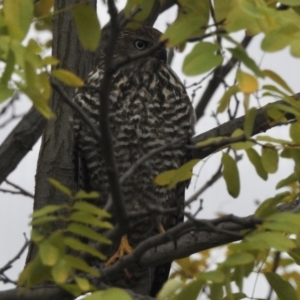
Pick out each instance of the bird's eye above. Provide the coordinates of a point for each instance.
(140, 45)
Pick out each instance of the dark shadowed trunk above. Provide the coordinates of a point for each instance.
(55, 158)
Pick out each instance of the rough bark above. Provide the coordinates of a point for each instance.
(55, 157)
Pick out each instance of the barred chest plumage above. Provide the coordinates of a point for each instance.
(148, 108)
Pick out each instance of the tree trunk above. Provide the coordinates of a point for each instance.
(55, 157)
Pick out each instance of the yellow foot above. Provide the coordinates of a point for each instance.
(124, 248)
(160, 227)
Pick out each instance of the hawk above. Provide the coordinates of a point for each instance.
(148, 108)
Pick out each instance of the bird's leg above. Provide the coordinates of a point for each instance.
(160, 227)
(124, 248)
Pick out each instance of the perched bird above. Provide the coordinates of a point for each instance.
(148, 108)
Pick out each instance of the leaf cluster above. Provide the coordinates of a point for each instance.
(60, 251)
(26, 66)
(254, 255)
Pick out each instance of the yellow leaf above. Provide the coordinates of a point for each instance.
(49, 254)
(67, 77)
(247, 83)
(83, 283)
(61, 271)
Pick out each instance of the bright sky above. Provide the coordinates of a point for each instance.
(15, 210)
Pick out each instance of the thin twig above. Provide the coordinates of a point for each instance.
(9, 264)
(20, 190)
(104, 92)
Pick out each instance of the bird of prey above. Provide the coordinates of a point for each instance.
(148, 108)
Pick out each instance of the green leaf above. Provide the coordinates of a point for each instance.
(238, 259)
(86, 195)
(283, 289)
(231, 175)
(215, 276)
(192, 19)
(225, 100)
(270, 158)
(240, 145)
(172, 177)
(191, 290)
(202, 59)
(275, 77)
(268, 206)
(235, 296)
(291, 2)
(83, 283)
(48, 254)
(59, 186)
(295, 254)
(43, 220)
(249, 121)
(242, 55)
(88, 232)
(18, 16)
(80, 264)
(285, 108)
(5, 93)
(88, 26)
(92, 209)
(67, 77)
(36, 236)
(145, 7)
(87, 218)
(255, 159)
(273, 240)
(50, 60)
(78, 245)
(34, 273)
(275, 114)
(216, 291)
(61, 271)
(285, 227)
(266, 138)
(9, 68)
(210, 141)
(48, 209)
(287, 181)
(169, 289)
(289, 217)
(109, 294)
(295, 132)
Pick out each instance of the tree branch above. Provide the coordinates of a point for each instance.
(20, 142)
(219, 74)
(119, 210)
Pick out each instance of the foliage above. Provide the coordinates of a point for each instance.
(26, 69)
(26, 66)
(60, 256)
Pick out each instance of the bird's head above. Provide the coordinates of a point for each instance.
(132, 42)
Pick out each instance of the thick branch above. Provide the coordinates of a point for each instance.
(20, 142)
(262, 123)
